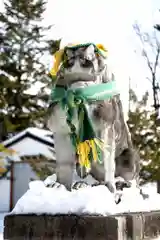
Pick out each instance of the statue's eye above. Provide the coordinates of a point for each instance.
(85, 62)
(69, 62)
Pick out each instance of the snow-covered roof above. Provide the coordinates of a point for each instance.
(38, 134)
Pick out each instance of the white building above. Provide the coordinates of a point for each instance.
(31, 145)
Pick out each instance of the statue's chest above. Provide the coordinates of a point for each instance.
(59, 119)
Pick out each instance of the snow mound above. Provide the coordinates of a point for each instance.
(90, 200)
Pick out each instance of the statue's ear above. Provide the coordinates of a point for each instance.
(89, 50)
(105, 76)
(69, 53)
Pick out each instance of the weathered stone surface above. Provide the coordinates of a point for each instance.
(143, 225)
(60, 227)
(134, 226)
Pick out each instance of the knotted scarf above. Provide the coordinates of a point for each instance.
(87, 145)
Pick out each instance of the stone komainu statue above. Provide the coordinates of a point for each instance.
(87, 119)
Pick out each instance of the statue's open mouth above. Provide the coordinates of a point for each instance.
(76, 83)
(82, 80)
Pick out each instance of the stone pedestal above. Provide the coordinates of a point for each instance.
(66, 227)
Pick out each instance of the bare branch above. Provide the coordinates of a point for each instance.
(144, 53)
(153, 42)
(156, 61)
(144, 37)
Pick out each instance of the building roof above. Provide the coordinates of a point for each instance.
(29, 150)
(41, 135)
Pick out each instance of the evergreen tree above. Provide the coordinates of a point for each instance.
(5, 157)
(22, 46)
(146, 136)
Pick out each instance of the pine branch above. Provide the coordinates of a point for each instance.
(23, 44)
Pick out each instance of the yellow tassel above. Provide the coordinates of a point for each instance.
(83, 150)
(94, 150)
(57, 61)
(102, 48)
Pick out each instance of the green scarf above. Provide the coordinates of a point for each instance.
(87, 145)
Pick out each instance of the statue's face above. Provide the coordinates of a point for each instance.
(82, 66)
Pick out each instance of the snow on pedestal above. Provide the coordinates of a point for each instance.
(87, 213)
(88, 200)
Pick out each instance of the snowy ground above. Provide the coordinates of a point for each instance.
(1, 225)
(39, 199)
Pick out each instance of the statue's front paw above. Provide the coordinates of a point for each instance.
(122, 184)
(109, 185)
(56, 185)
(117, 197)
(78, 185)
(144, 195)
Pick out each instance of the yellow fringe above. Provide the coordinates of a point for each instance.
(94, 150)
(102, 48)
(57, 61)
(84, 148)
